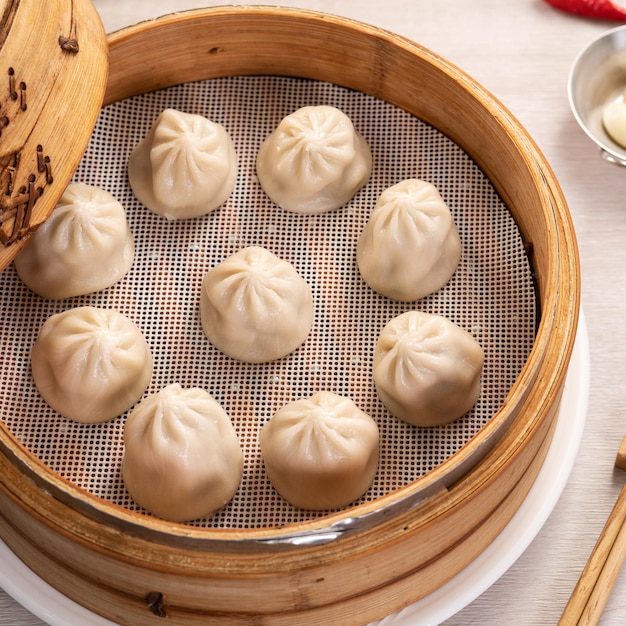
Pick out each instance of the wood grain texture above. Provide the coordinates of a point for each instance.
(589, 598)
(45, 76)
(522, 53)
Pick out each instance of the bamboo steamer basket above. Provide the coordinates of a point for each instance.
(135, 569)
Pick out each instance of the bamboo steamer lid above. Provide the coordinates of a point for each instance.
(53, 68)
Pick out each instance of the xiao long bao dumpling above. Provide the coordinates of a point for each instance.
(182, 458)
(90, 364)
(427, 370)
(314, 161)
(320, 452)
(85, 246)
(255, 307)
(185, 167)
(410, 246)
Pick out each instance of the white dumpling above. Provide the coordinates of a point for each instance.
(255, 307)
(427, 370)
(91, 364)
(85, 246)
(314, 161)
(410, 246)
(182, 458)
(614, 120)
(185, 167)
(320, 452)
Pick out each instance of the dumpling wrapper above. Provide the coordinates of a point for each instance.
(91, 364)
(320, 452)
(427, 370)
(255, 307)
(84, 246)
(182, 458)
(410, 247)
(185, 167)
(314, 161)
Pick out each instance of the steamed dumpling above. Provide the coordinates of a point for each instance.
(427, 369)
(410, 246)
(320, 452)
(86, 245)
(182, 458)
(314, 161)
(185, 167)
(614, 120)
(255, 307)
(91, 364)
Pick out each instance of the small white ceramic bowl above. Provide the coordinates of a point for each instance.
(598, 77)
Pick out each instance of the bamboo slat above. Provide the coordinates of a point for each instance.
(52, 79)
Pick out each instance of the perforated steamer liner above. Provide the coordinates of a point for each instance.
(492, 293)
(418, 526)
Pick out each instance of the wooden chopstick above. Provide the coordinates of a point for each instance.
(596, 581)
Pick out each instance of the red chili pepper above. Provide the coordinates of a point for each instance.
(601, 9)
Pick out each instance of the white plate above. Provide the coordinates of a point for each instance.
(57, 610)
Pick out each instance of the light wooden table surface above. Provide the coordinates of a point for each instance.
(522, 51)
